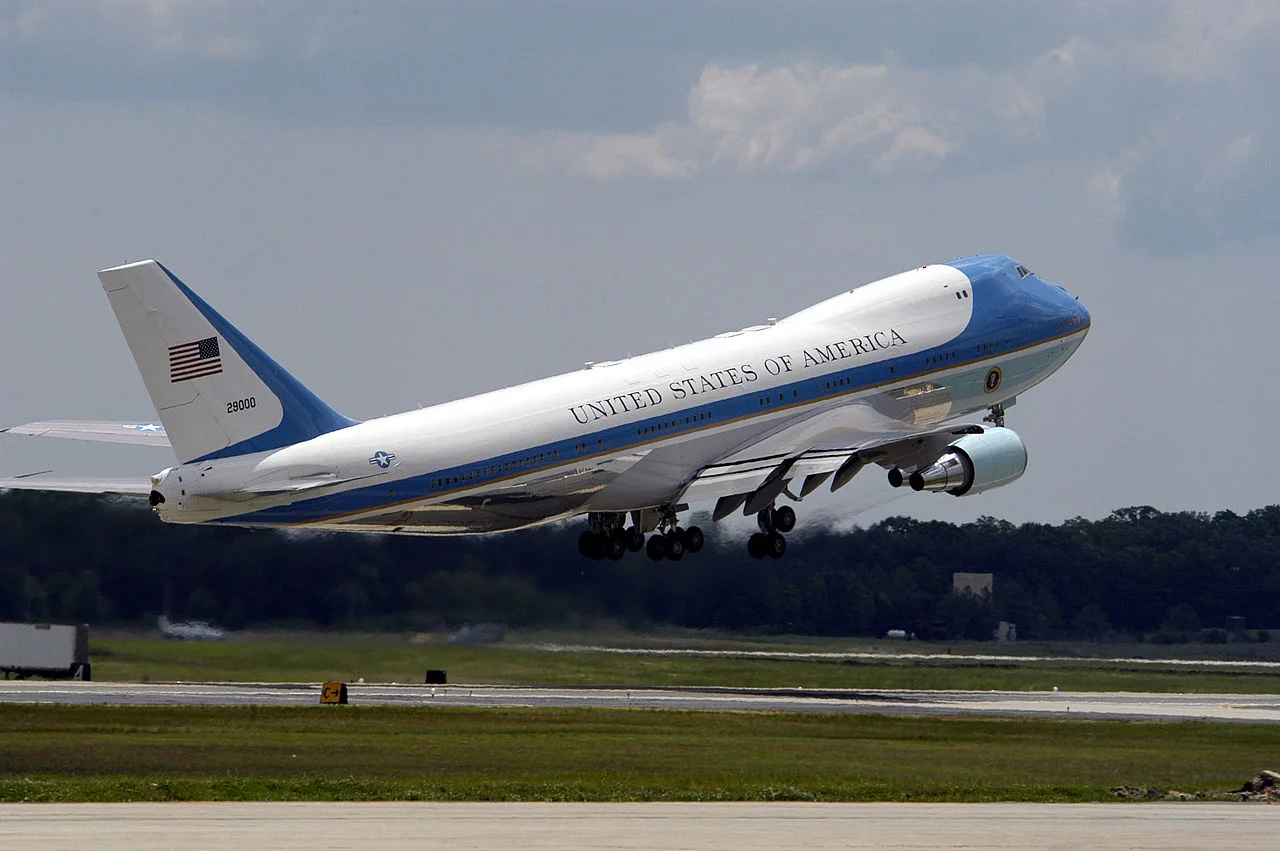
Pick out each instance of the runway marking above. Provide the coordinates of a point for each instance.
(897, 657)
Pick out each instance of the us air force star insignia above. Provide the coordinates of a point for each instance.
(382, 459)
(992, 382)
(147, 427)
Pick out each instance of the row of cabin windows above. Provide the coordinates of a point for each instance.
(495, 469)
(1071, 322)
(692, 419)
(945, 357)
(782, 397)
(963, 294)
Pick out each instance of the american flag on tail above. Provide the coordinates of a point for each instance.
(194, 360)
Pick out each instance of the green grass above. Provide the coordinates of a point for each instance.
(382, 658)
(120, 753)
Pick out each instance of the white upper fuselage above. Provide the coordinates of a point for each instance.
(892, 357)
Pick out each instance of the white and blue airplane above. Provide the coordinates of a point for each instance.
(743, 419)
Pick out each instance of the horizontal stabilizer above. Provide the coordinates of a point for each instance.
(143, 434)
(110, 487)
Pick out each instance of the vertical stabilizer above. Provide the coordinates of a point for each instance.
(216, 392)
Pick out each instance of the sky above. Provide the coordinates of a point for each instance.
(406, 203)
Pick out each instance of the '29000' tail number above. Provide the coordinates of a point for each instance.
(241, 405)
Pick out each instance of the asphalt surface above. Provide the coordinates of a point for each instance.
(623, 826)
(1250, 708)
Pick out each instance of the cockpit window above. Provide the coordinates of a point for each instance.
(1023, 271)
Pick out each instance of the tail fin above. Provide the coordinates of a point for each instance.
(217, 393)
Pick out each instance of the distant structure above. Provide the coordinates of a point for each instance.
(56, 651)
(1006, 631)
(976, 584)
(190, 630)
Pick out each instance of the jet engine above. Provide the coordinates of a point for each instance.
(972, 464)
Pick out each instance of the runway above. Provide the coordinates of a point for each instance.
(626, 826)
(1244, 708)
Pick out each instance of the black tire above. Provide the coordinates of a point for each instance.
(784, 519)
(615, 547)
(654, 547)
(693, 539)
(766, 520)
(755, 545)
(775, 545)
(635, 539)
(673, 546)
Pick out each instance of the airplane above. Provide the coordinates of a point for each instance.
(189, 630)
(874, 375)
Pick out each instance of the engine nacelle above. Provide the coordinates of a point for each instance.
(974, 463)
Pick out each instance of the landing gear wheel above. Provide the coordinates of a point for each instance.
(693, 539)
(655, 548)
(775, 545)
(766, 519)
(672, 546)
(635, 539)
(756, 545)
(615, 547)
(784, 519)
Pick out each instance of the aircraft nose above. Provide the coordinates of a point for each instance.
(1078, 313)
(1070, 312)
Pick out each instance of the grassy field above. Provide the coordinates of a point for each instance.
(119, 753)
(519, 661)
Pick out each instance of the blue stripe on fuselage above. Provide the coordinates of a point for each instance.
(1009, 311)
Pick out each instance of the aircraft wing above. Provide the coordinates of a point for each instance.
(755, 475)
(43, 482)
(145, 434)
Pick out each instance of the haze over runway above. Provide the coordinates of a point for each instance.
(407, 204)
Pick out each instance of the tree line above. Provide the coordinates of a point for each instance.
(1138, 574)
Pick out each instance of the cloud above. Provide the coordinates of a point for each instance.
(607, 156)
(1168, 106)
(803, 118)
(213, 29)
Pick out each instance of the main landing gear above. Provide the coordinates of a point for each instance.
(669, 541)
(609, 537)
(774, 523)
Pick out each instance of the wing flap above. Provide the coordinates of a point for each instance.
(744, 474)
